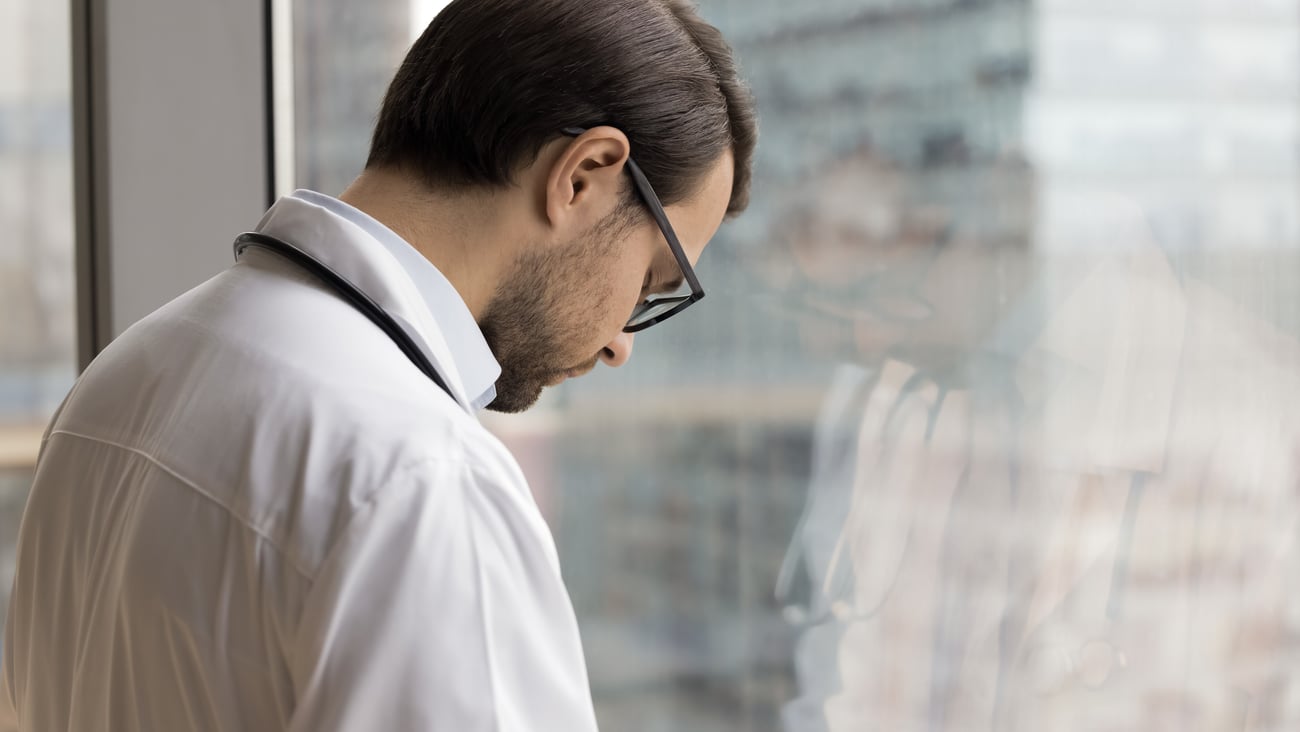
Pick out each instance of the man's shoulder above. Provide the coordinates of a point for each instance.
(292, 431)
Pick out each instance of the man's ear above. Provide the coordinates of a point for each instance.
(586, 179)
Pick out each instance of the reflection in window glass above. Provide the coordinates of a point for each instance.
(990, 419)
(37, 306)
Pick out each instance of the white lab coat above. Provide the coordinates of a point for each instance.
(252, 512)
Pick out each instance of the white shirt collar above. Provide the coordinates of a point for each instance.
(473, 358)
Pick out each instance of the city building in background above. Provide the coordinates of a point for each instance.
(37, 330)
(344, 55)
(37, 275)
(1186, 109)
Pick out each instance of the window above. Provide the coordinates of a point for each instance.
(37, 305)
(989, 420)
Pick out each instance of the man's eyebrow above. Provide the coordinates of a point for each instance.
(672, 285)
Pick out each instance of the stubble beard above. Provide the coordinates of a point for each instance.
(545, 305)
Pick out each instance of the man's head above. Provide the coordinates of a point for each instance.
(475, 117)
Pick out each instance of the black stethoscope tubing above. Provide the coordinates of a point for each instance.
(349, 292)
(810, 617)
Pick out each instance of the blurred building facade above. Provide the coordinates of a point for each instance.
(344, 54)
(37, 278)
(1187, 109)
(37, 302)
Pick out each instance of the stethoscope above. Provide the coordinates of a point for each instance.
(837, 611)
(829, 609)
(833, 610)
(349, 292)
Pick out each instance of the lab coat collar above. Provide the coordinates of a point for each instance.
(355, 253)
(478, 367)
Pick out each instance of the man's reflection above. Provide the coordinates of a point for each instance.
(1049, 493)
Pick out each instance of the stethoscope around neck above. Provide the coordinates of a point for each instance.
(350, 293)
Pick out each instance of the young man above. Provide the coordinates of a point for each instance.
(269, 506)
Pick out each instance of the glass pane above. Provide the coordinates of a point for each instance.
(989, 420)
(653, 308)
(345, 54)
(37, 305)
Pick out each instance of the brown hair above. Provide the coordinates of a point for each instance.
(489, 82)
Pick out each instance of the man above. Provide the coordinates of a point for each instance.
(269, 506)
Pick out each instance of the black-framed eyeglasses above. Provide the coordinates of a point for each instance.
(657, 308)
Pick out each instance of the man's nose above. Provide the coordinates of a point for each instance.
(618, 351)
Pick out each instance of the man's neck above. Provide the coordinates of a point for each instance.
(451, 232)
